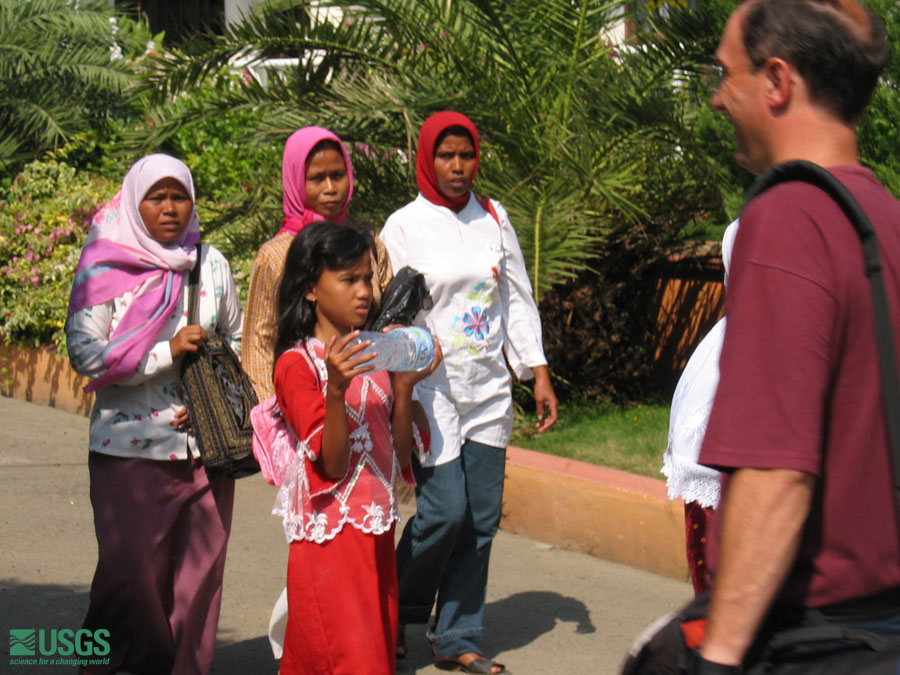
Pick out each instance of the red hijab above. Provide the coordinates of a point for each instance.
(425, 176)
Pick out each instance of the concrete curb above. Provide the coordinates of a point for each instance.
(610, 514)
(573, 505)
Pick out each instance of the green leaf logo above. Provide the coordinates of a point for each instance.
(21, 641)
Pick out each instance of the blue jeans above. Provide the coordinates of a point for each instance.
(446, 546)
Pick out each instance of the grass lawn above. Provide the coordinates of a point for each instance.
(630, 438)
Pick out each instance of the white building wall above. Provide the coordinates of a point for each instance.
(235, 9)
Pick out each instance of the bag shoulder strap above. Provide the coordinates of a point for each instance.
(808, 172)
(488, 206)
(193, 282)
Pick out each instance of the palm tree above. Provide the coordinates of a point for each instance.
(578, 135)
(59, 72)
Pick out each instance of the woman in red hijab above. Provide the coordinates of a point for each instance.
(484, 315)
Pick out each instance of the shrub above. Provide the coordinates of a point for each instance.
(43, 224)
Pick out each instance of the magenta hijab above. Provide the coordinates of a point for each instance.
(293, 174)
(120, 256)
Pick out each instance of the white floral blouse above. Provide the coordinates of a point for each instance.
(131, 418)
(484, 315)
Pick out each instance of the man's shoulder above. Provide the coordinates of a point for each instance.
(797, 203)
(859, 180)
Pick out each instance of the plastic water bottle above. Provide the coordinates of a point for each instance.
(406, 348)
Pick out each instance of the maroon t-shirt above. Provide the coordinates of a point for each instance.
(800, 386)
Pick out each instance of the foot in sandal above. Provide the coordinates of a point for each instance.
(470, 662)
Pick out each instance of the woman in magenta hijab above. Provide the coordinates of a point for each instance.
(318, 183)
(484, 315)
(162, 525)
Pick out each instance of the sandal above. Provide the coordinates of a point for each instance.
(477, 665)
(401, 641)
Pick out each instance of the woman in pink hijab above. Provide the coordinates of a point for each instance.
(318, 182)
(162, 525)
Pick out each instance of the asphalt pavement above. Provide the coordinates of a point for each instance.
(549, 610)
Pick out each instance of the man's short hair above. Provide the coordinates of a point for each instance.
(837, 46)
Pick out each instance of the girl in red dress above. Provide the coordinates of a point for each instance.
(354, 434)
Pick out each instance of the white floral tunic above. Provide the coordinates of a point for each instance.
(484, 315)
(131, 418)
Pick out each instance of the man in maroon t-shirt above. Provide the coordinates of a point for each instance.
(808, 517)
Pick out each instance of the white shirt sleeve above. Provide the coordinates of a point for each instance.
(229, 324)
(524, 348)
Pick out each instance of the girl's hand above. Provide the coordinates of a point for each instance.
(182, 420)
(409, 378)
(188, 339)
(343, 362)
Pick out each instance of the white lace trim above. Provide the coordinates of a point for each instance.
(691, 482)
(318, 530)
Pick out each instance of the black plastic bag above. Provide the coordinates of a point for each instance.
(404, 297)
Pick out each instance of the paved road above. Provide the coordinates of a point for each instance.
(549, 610)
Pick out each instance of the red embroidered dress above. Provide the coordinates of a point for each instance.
(313, 506)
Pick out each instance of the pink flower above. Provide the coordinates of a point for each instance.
(138, 418)
(172, 457)
(106, 442)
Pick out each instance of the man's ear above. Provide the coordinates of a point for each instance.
(779, 83)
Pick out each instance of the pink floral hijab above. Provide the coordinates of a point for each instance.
(299, 145)
(120, 256)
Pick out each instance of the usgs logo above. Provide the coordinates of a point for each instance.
(58, 642)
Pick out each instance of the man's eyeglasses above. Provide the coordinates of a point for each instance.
(714, 74)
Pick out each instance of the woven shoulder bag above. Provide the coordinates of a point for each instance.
(219, 397)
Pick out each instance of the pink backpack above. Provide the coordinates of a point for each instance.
(275, 443)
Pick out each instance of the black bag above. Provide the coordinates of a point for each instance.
(218, 395)
(792, 642)
(406, 294)
(796, 641)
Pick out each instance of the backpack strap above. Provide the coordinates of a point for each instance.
(807, 172)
